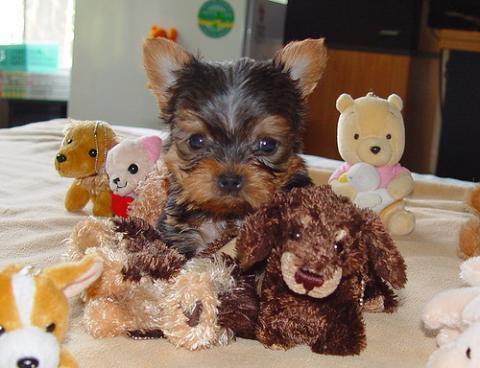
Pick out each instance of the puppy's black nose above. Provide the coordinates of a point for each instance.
(28, 363)
(375, 149)
(61, 158)
(230, 183)
(116, 180)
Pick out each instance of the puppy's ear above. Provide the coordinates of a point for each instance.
(304, 61)
(382, 252)
(260, 232)
(162, 58)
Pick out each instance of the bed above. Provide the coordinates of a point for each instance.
(34, 226)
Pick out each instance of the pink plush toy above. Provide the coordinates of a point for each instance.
(128, 164)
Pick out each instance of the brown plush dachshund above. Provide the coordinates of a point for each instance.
(327, 261)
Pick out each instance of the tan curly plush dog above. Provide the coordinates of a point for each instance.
(82, 156)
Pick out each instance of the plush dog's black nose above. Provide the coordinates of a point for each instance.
(375, 149)
(28, 363)
(116, 180)
(230, 183)
(61, 158)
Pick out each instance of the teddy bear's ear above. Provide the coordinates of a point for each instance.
(304, 61)
(260, 232)
(153, 146)
(75, 277)
(162, 58)
(395, 101)
(382, 252)
(344, 101)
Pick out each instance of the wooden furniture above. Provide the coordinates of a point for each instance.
(417, 78)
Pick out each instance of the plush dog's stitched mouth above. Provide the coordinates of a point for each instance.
(305, 281)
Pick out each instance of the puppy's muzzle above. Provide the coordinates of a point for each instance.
(230, 183)
(28, 363)
(61, 158)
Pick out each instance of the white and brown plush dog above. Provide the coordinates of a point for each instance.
(34, 312)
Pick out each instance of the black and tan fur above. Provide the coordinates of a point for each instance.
(235, 134)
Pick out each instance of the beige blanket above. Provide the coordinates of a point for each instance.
(34, 226)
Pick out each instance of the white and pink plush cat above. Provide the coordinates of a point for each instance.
(128, 163)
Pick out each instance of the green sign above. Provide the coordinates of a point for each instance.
(216, 18)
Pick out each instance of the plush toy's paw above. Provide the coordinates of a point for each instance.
(401, 223)
(368, 199)
(76, 198)
(469, 239)
(66, 360)
(89, 233)
(102, 204)
(446, 336)
(470, 271)
(105, 317)
(400, 186)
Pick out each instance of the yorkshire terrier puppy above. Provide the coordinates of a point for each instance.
(235, 135)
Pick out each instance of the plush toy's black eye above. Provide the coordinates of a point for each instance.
(468, 353)
(51, 327)
(389, 136)
(196, 141)
(356, 136)
(295, 235)
(339, 247)
(133, 169)
(69, 141)
(267, 145)
(92, 152)
(2, 330)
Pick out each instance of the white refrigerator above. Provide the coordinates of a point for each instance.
(107, 79)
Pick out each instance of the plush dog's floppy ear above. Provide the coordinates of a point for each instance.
(304, 61)
(260, 232)
(382, 252)
(162, 58)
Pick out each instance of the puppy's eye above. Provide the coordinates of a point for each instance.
(51, 328)
(468, 353)
(92, 153)
(69, 141)
(267, 145)
(133, 169)
(2, 330)
(196, 141)
(356, 136)
(389, 136)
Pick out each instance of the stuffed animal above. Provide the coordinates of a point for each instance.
(455, 314)
(34, 312)
(371, 131)
(326, 261)
(129, 163)
(469, 235)
(148, 290)
(82, 156)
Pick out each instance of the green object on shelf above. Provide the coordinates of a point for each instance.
(29, 57)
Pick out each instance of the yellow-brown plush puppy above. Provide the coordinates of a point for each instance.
(82, 156)
(34, 312)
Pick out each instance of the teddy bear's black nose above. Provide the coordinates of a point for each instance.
(116, 180)
(61, 158)
(375, 149)
(28, 363)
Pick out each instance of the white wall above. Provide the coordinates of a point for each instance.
(108, 80)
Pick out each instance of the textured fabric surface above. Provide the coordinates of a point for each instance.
(34, 226)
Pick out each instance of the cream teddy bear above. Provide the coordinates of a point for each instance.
(455, 314)
(371, 132)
